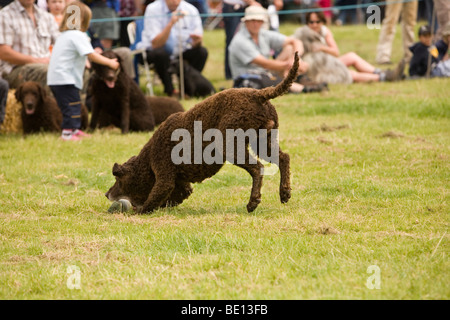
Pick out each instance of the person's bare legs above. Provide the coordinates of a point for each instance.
(364, 77)
(296, 88)
(351, 59)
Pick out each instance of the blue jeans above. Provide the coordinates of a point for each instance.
(69, 101)
(343, 13)
(160, 57)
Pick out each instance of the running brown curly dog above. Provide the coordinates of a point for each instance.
(152, 180)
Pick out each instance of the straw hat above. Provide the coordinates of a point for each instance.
(255, 13)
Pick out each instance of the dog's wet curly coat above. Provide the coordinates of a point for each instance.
(151, 180)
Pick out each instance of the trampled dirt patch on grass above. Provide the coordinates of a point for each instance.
(330, 141)
(324, 140)
(326, 128)
(327, 230)
(392, 135)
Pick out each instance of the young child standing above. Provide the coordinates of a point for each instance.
(66, 67)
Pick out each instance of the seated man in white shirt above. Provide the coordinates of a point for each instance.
(169, 23)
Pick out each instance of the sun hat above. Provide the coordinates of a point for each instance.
(255, 13)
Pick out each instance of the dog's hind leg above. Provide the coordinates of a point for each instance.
(255, 170)
(283, 165)
(285, 177)
(180, 193)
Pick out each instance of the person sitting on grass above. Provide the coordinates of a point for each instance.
(250, 53)
(363, 70)
(442, 45)
(421, 51)
(443, 67)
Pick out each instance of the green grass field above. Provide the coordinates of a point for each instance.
(370, 179)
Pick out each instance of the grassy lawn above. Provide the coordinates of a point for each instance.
(370, 179)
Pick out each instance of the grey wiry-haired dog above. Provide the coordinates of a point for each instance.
(152, 179)
(323, 67)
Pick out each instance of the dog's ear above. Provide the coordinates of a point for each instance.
(118, 170)
(95, 68)
(18, 93)
(42, 92)
(112, 55)
(115, 55)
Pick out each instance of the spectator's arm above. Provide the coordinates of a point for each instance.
(331, 47)
(98, 58)
(161, 39)
(274, 65)
(14, 57)
(196, 40)
(139, 6)
(252, 3)
(196, 29)
(278, 4)
(296, 44)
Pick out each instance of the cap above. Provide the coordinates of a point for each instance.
(255, 13)
(424, 31)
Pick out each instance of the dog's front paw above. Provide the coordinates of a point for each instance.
(139, 210)
(285, 195)
(143, 210)
(251, 206)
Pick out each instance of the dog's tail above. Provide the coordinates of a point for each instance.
(282, 87)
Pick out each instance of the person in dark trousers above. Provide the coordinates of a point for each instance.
(167, 25)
